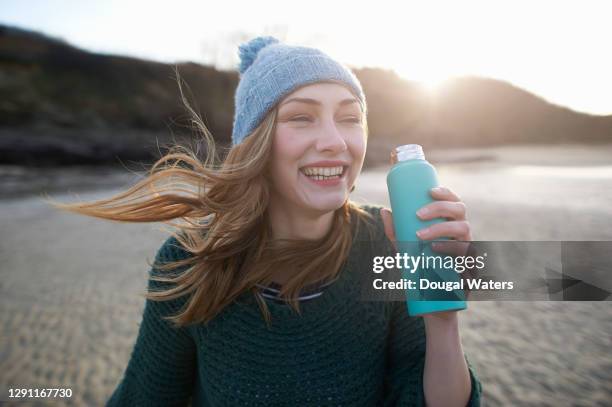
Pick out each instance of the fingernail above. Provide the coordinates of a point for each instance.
(437, 189)
(422, 232)
(422, 212)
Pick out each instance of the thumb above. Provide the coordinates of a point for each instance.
(387, 219)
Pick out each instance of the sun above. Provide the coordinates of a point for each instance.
(432, 85)
(430, 79)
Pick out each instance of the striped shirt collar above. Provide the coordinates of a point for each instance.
(272, 291)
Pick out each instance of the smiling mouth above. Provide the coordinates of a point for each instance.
(324, 173)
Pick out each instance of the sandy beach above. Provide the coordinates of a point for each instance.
(70, 305)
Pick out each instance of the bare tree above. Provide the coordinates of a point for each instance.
(221, 52)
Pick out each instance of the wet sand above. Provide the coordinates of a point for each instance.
(70, 305)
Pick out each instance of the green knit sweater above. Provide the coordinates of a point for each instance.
(342, 351)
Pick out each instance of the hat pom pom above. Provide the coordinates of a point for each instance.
(249, 51)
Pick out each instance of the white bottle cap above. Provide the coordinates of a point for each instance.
(408, 152)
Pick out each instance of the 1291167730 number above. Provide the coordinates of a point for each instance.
(40, 393)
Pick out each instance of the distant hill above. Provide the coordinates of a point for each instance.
(63, 105)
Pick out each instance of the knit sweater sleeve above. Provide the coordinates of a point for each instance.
(162, 367)
(406, 362)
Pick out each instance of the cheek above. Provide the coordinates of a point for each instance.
(287, 152)
(357, 146)
(290, 144)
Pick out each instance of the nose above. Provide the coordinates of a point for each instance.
(330, 138)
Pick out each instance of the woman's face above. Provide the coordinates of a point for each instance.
(318, 148)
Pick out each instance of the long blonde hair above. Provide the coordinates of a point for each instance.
(226, 229)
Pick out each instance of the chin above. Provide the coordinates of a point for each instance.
(327, 205)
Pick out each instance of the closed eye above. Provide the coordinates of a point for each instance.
(353, 119)
(300, 119)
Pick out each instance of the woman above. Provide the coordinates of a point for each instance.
(254, 301)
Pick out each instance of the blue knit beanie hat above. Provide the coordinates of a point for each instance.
(270, 70)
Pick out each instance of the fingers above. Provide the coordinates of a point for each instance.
(443, 209)
(445, 194)
(457, 229)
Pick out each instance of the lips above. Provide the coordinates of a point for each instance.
(326, 181)
(327, 163)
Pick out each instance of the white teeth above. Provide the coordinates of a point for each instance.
(321, 177)
(322, 171)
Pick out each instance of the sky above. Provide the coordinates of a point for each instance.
(555, 49)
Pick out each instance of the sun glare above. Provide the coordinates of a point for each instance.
(431, 85)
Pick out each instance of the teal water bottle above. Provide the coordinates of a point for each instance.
(409, 182)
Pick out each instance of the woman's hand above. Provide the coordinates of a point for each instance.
(444, 357)
(447, 205)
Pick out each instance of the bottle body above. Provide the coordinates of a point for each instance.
(409, 182)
